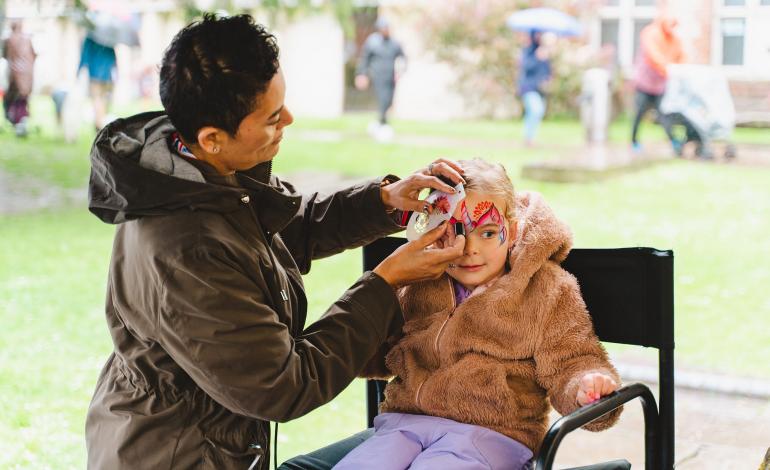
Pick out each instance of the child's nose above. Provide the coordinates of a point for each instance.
(470, 246)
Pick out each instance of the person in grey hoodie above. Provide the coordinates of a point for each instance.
(377, 66)
(205, 301)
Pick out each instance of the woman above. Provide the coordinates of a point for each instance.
(659, 48)
(205, 301)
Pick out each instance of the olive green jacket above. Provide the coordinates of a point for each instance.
(206, 305)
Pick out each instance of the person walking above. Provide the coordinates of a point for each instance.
(534, 72)
(659, 47)
(20, 54)
(378, 67)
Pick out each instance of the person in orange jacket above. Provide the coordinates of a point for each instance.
(659, 47)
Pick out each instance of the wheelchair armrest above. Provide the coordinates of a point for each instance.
(586, 414)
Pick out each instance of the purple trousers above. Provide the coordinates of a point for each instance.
(418, 442)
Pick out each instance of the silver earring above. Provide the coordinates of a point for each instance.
(215, 150)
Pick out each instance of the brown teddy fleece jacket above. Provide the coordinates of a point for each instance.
(498, 359)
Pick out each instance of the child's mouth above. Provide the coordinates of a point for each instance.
(472, 267)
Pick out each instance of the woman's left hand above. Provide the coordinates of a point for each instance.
(404, 194)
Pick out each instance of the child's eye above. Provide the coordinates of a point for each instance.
(488, 234)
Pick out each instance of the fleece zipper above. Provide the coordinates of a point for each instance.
(437, 340)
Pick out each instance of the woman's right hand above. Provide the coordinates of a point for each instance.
(421, 259)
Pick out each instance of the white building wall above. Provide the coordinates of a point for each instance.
(426, 90)
(312, 59)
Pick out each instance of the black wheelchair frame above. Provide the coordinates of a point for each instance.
(630, 296)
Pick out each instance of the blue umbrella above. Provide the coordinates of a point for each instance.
(545, 20)
(109, 29)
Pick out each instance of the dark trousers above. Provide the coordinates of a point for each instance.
(645, 102)
(15, 105)
(327, 457)
(384, 89)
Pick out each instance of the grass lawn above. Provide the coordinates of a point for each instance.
(53, 267)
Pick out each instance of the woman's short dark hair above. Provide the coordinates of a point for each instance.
(214, 71)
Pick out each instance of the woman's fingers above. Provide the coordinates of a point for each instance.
(425, 181)
(431, 236)
(447, 168)
(417, 205)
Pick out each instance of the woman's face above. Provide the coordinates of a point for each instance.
(488, 235)
(259, 134)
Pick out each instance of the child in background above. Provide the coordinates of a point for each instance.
(489, 347)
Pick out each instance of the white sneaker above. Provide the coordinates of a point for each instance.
(21, 128)
(384, 133)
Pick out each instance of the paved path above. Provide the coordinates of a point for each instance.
(18, 195)
(714, 431)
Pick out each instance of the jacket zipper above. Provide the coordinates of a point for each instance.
(437, 341)
(267, 238)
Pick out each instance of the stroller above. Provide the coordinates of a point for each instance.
(698, 99)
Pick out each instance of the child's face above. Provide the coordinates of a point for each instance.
(488, 235)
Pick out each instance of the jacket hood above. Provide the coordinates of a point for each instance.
(135, 173)
(540, 237)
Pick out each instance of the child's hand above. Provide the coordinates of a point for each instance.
(593, 386)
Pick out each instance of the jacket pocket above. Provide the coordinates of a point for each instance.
(220, 456)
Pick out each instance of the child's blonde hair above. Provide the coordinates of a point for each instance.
(490, 178)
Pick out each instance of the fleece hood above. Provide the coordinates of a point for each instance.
(135, 173)
(541, 236)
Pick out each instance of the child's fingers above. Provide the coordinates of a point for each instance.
(608, 386)
(587, 383)
(598, 384)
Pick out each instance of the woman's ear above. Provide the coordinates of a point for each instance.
(210, 139)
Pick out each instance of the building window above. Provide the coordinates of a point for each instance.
(735, 3)
(609, 35)
(639, 25)
(765, 2)
(733, 31)
(645, 3)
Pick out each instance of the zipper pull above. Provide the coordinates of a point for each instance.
(284, 296)
(256, 457)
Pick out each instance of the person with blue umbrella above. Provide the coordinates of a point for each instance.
(534, 73)
(541, 25)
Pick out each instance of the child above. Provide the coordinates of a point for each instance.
(486, 347)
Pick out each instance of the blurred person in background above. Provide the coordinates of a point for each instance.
(659, 47)
(100, 62)
(20, 54)
(378, 67)
(109, 23)
(534, 73)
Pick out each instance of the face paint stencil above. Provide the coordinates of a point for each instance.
(444, 205)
